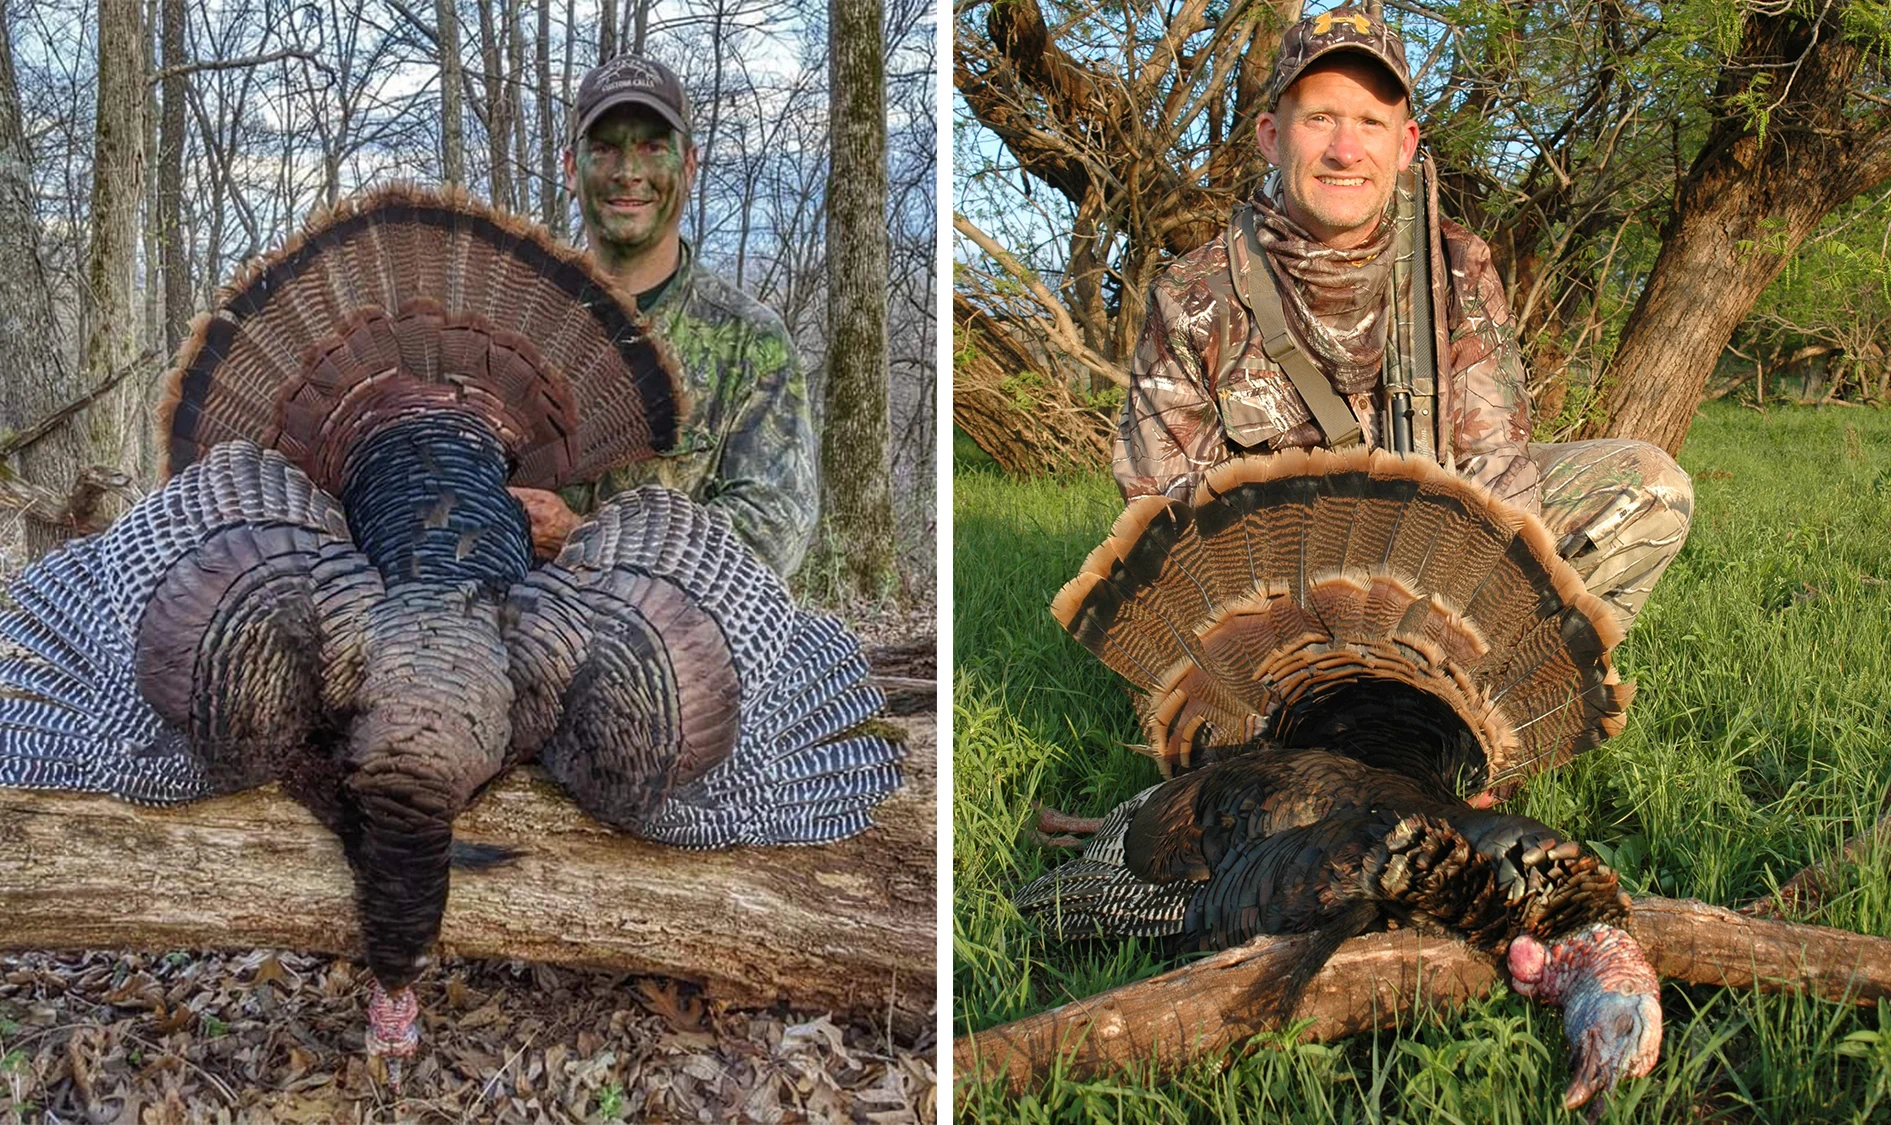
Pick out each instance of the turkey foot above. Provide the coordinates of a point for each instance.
(1611, 1002)
(1071, 830)
(392, 1032)
(1514, 845)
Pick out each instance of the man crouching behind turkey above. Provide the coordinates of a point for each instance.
(334, 589)
(1353, 592)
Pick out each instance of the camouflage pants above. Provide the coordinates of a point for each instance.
(1619, 512)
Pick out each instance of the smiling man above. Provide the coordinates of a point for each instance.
(1275, 335)
(747, 445)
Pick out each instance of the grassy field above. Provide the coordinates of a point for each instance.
(1758, 743)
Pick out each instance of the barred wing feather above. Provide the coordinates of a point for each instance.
(665, 678)
(186, 650)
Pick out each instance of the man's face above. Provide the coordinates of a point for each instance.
(1340, 136)
(631, 173)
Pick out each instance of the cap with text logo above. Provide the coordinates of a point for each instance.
(631, 80)
(1345, 28)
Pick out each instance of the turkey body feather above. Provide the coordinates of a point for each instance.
(1283, 841)
(337, 594)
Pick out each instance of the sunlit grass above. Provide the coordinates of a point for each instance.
(1758, 743)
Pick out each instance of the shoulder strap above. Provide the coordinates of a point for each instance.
(1256, 287)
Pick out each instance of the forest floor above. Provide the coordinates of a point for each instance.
(192, 1036)
(1757, 743)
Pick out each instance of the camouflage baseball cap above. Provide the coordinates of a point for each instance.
(1345, 28)
(631, 80)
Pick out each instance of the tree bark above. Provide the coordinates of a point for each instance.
(549, 209)
(176, 258)
(856, 480)
(1377, 980)
(30, 341)
(848, 926)
(515, 109)
(1028, 432)
(607, 31)
(498, 124)
(1756, 190)
(115, 427)
(452, 144)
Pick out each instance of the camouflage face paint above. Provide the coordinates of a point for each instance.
(631, 173)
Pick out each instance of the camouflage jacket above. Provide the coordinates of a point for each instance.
(747, 446)
(1202, 391)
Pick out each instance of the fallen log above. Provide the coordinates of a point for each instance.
(1205, 1007)
(908, 673)
(848, 927)
(1807, 890)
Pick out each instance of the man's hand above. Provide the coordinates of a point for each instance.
(551, 519)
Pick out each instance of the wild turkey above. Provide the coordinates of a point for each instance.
(334, 591)
(1334, 649)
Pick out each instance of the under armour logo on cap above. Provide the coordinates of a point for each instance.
(1345, 28)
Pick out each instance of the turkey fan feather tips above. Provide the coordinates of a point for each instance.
(1241, 613)
(405, 299)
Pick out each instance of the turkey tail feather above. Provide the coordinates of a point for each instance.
(1288, 576)
(403, 301)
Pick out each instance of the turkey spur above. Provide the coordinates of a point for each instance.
(1334, 648)
(334, 591)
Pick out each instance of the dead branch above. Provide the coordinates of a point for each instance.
(1376, 981)
(1048, 432)
(1062, 330)
(1804, 892)
(309, 57)
(844, 927)
(20, 439)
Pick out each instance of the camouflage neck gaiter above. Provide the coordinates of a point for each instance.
(1335, 300)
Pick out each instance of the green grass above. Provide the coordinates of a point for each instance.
(1758, 743)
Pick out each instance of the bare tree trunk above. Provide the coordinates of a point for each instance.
(515, 109)
(452, 144)
(607, 30)
(151, 316)
(113, 425)
(1705, 281)
(498, 125)
(857, 497)
(642, 27)
(177, 292)
(30, 345)
(1750, 199)
(547, 148)
(706, 133)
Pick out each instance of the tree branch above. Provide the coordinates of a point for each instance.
(20, 439)
(1062, 331)
(1375, 981)
(158, 76)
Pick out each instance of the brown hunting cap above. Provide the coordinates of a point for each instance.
(631, 80)
(1348, 27)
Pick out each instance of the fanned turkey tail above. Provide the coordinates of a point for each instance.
(665, 678)
(1298, 587)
